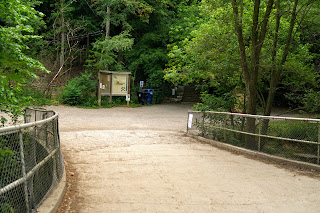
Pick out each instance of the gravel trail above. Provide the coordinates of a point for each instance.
(140, 160)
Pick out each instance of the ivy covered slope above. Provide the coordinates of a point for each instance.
(18, 23)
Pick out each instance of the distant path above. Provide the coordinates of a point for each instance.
(140, 160)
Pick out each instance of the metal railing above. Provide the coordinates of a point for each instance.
(31, 163)
(293, 138)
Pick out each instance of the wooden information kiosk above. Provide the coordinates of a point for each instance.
(113, 83)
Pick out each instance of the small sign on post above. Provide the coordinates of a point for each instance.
(190, 118)
(141, 83)
(128, 97)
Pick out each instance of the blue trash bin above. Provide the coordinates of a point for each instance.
(149, 97)
(145, 96)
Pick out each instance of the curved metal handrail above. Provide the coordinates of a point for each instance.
(38, 130)
(27, 125)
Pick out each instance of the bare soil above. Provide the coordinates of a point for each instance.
(141, 160)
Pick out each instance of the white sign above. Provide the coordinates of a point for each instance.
(190, 121)
(128, 97)
(141, 83)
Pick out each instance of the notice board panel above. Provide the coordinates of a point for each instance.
(119, 84)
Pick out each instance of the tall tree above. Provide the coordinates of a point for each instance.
(108, 51)
(251, 71)
(148, 57)
(260, 39)
(71, 25)
(258, 36)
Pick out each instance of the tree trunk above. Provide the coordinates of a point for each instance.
(276, 72)
(108, 30)
(63, 38)
(250, 142)
(251, 75)
(251, 84)
(108, 23)
(250, 101)
(238, 29)
(273, 78)
(88, 46)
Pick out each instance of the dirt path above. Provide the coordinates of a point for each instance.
(140, 160)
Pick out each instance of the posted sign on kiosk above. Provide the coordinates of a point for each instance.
(113, 83)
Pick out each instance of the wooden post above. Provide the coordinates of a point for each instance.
(99, 89)
(110, 97)
(128, 102)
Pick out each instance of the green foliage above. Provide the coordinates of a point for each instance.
(12, 100)
(120, 11)
(105, 51)
(148, 57)
(209, 50)
(188, 19)
(297, 130)
(18, 20)
(311, 101)
(79, 91)
(211, 102)
(10, 168)
(182, 41)
(158, 96)
(108, 50)
(149, 64)
(9, 158)
(38, 98)
(207, 54)
(310, 31)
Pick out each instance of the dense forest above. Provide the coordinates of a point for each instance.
(250, 54)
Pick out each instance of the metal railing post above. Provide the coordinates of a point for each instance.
(259, 137)
(56, 144)
(224, 130)
(203, 114)
(318, 154)
(23, 170)
(188, 123)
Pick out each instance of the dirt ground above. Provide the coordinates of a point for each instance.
(141, 160)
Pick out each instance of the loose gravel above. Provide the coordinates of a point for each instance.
(141, 160)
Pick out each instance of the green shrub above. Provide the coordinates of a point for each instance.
(79, 91)
(311, 101)
(10, 169)
(38, 98)
(210, 102)
(292, 129)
